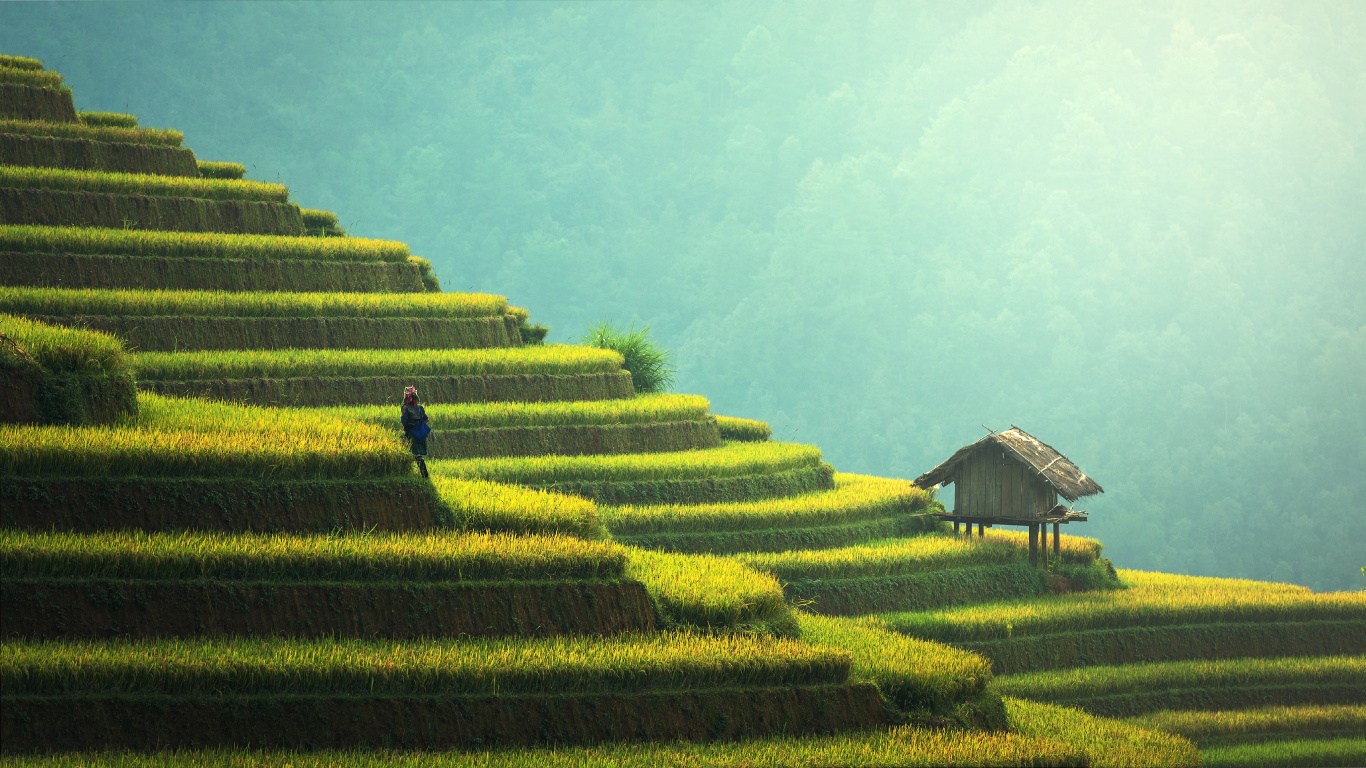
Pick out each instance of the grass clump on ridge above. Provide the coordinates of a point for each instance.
(743, 430)
(34, 78)
(63, 376)
(1107, 743)
(1311, 753)
(652, 369)
(478, 505)
(854, 498)
(707, 591)
(211, 169)
(1152, 599)
(99, 241)
(61, 349)
(20, 62)
(108, 119)
(730, 460)
(890, 557)
(642, 409)
(68, 180)
(146, 303)
(554, 359)
(464, 667)
(277, 557)
(164, 137)
(1092, 682)
(915, 675)
(1261, 724)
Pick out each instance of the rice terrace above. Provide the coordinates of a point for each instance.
(220, 547)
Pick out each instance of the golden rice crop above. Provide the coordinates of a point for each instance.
(707, 591)
(898, 747)
(90, 301)
(1151, 600)
(733, 428)
(914, 674)
(1107, 743)
(62, 349)
(20, 62)
(155, 136)
(277, 557)
(97, 241)
(213, 169)
(641, 409)
(1090, 682)
(553, 359)
(1311, 753)
(854, 498)
(1265, 722)
(65, 179)
(730, 460)
(889, 557)
(34, 78)
(482, 505)
(203, 667)
(1072, 549)
(115, 119)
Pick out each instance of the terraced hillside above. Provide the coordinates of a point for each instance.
(214, 538)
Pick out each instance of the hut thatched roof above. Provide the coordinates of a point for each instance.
(1053, 467)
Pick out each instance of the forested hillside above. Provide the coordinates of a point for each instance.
(1136, 232)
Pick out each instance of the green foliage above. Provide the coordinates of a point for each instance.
(141, 184)
(711, 592)
(396, 558)
(1261, 724)
(479, 505)
(203, 245)
(652, 369)
(438, 667)
(253, 363)
(143, 303)
(211, 169)
(70, 130)
(1106, 743)
(917, 676)
(108, 119)
(1312, 753)
(742, 429)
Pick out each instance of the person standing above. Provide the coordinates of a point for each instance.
(413, 417)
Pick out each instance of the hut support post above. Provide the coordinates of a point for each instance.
(955, 527)
(1055, 543)
(981, 530)
(1033, 543)
(1043, 544)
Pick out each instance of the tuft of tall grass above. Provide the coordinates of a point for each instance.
(211, 169)
(652, 369)
(278, 557)
(1152, 599)
(203, 245)
(730, 460)
(478, 505)
(60, 349)
(1107, 743)
(466, 667)
(68, 180)
(743, 429)
(155, 136)
(108, 119)
(854, 498)
(708, 591)
(145, 303)
(555, 359)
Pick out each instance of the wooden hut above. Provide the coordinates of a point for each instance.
(1012, 478)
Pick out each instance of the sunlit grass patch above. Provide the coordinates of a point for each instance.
(109, 119)
(1312, 753)
(298, 363)
(379, 557)
(892, 557)
(637, 410)
(203, 245)
(69, 180)
(64, 301)
(34, 78)
(741, 430)
(482, 505)
(708, 591)
(1260, 724)
(730, 460)
(240, 666)
(1071, 549)
(154, 136)
(1107, 743)
(61, 349)
(854, 498)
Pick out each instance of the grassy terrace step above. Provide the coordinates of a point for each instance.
(211, 169)
(742, 430)
(711, 592)
(1316, 753)
(160, 137)
(147, 303)
(108, 119)
(20, 62)
(1180, 685)
(925, 591)
(1152, 600)
(735, 471)
(1208, 729)
(198, 245)
(122, 584)
(48, 270)
(26, 102)
(552, 359)
(781, 539)
(66, 180)
(54, 375)
(270, 693)
(44, 207)
(86, 154)
(38, 78)
(1106, 742)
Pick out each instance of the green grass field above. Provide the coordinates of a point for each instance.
(1209, 729)
(20, 62)
(479, 505)
(145, 303)
(211, 169)
(641, 409)
(408, 557)
(741, 430)
(1311, 753)
(730, 460)
(202, 245)
(112, 119)
(471, 667)
(153, 136)
(707, 591)
(555, 359)
(141, 184)
(36, 78)
(1152, 599)
(62, 349)
(892, 557)
(1107, 743)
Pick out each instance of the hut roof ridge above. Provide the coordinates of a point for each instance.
(1049, 463)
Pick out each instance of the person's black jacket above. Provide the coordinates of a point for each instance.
(410, 416)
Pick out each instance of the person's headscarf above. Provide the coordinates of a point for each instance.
(410, 395)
